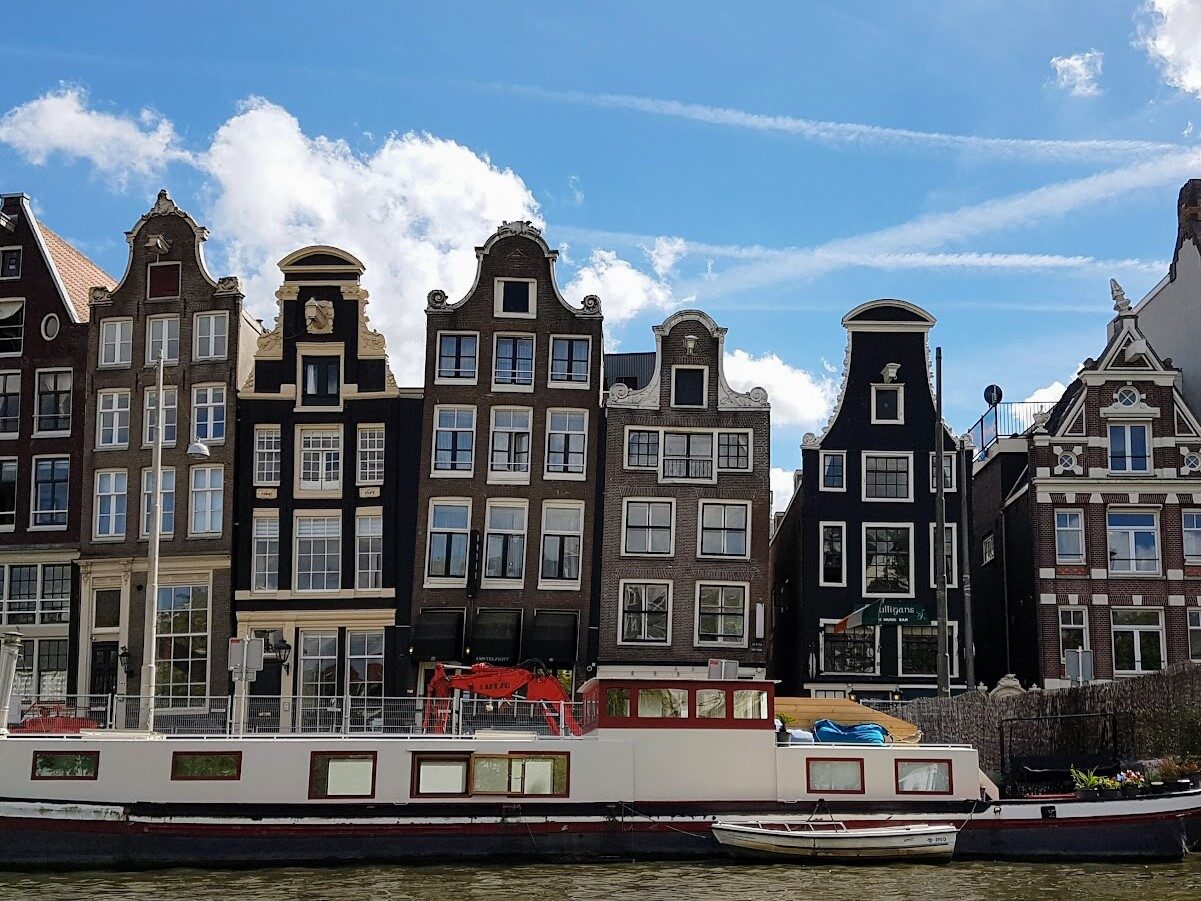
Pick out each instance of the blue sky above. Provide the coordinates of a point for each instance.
(994, 162)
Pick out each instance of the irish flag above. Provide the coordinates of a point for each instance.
(886, 613)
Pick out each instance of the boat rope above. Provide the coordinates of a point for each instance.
(638, 813)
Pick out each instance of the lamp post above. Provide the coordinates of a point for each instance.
(197, 450)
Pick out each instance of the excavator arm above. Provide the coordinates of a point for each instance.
(501, 682)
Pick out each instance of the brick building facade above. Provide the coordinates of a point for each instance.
(687, 505)
(507, 490)
(166, 304)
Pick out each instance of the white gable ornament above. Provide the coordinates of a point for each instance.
(318, 316)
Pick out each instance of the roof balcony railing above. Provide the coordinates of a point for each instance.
(1005, 420)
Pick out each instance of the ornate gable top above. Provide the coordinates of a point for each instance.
(888, 313)
(165, 206)
(522, 228)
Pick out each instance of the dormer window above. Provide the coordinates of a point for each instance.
(1128, 448)
(888, 404)
(162, 281)
(1127, 396)
(515, 297)
(688, 386)
(10, 262)
(322, 382)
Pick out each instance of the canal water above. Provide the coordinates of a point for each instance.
(631, 882)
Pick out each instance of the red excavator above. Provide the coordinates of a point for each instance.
(501, 683)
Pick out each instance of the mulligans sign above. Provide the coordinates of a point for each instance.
(887, 613)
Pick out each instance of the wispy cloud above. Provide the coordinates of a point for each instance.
(1078, 74)
(855, 134)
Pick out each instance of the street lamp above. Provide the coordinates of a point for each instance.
(197, 450)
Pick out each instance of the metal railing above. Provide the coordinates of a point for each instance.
(222, 716)
(1005, 420)
(687, 468)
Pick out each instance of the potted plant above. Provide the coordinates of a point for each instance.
(1110, 789)
(1131, 782)
(1087, 785)
(1191, 770)
(1169, 775)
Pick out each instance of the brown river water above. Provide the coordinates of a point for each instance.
(628, 881)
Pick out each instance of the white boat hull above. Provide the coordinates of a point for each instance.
(910, 842)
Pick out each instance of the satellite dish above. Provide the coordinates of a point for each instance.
(993, 395)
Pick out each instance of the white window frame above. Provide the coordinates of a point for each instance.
(335, 515)
(16, 465)
(551, 381)
(625, 513)
(429, 581)
(1060, 626)
(159, 264)
(625, 449)
(170, 393)
(580, 476)
(621, 600)
(988, 548)
(262, 431)
(821, 652)
(1163, 644)
(97, 534)
(369, 525)
(953, 573)
(746, 613)
(147, 475)
(1066, 561)
(510, 476)
(33, 495)
(214, 316)
(115, 412)
(688, 433)
(954, 661)
(208, 490)
(515, 386)
(16, 374)
(498, 298)
(821, 470)
(908, 526)
(487, 581)
(322, 488)
(469, 472)
(704, 405)
(440, 379)
(700, 519)
(954, 486)
(821, 553)
(165, 319)
(210, 387)
(365, 431)
(1135, 573)
(545, 584)
(750, 450)
(863, 496)
(257, 559)
(1184, 530)
(1148, 442)
(1193, 616)
(900, 389)
(20, 268)
(122, 324)
(38, 431)
(24, 322)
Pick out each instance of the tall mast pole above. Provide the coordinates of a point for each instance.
(940, 536)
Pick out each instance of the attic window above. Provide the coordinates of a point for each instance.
(515, 297)
(887, 403)
(162, 281)
(688, 386)
(1127, 396)
(10, 262)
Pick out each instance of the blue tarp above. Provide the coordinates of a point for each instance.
(862, 734)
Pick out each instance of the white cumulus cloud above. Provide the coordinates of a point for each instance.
(1048, 393)
(1077, 74)
(624, 291)
(120, 146)
(798, 398)
(1171, 34)
(664, 253)
(781, 488)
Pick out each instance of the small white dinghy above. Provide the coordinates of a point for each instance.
(832, 840)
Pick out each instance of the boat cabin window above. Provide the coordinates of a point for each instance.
(750, 704)
(711, 703)
(663, 702)
(337, 774)
(440, 775)
(519, 774)
(617, 701)
(835, 776)
(74, 765)
(206, 765)
(923, 777)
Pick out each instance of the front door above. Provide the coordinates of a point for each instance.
(265, 706)
(104, 668)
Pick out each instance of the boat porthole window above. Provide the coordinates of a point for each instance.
(50, 326)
